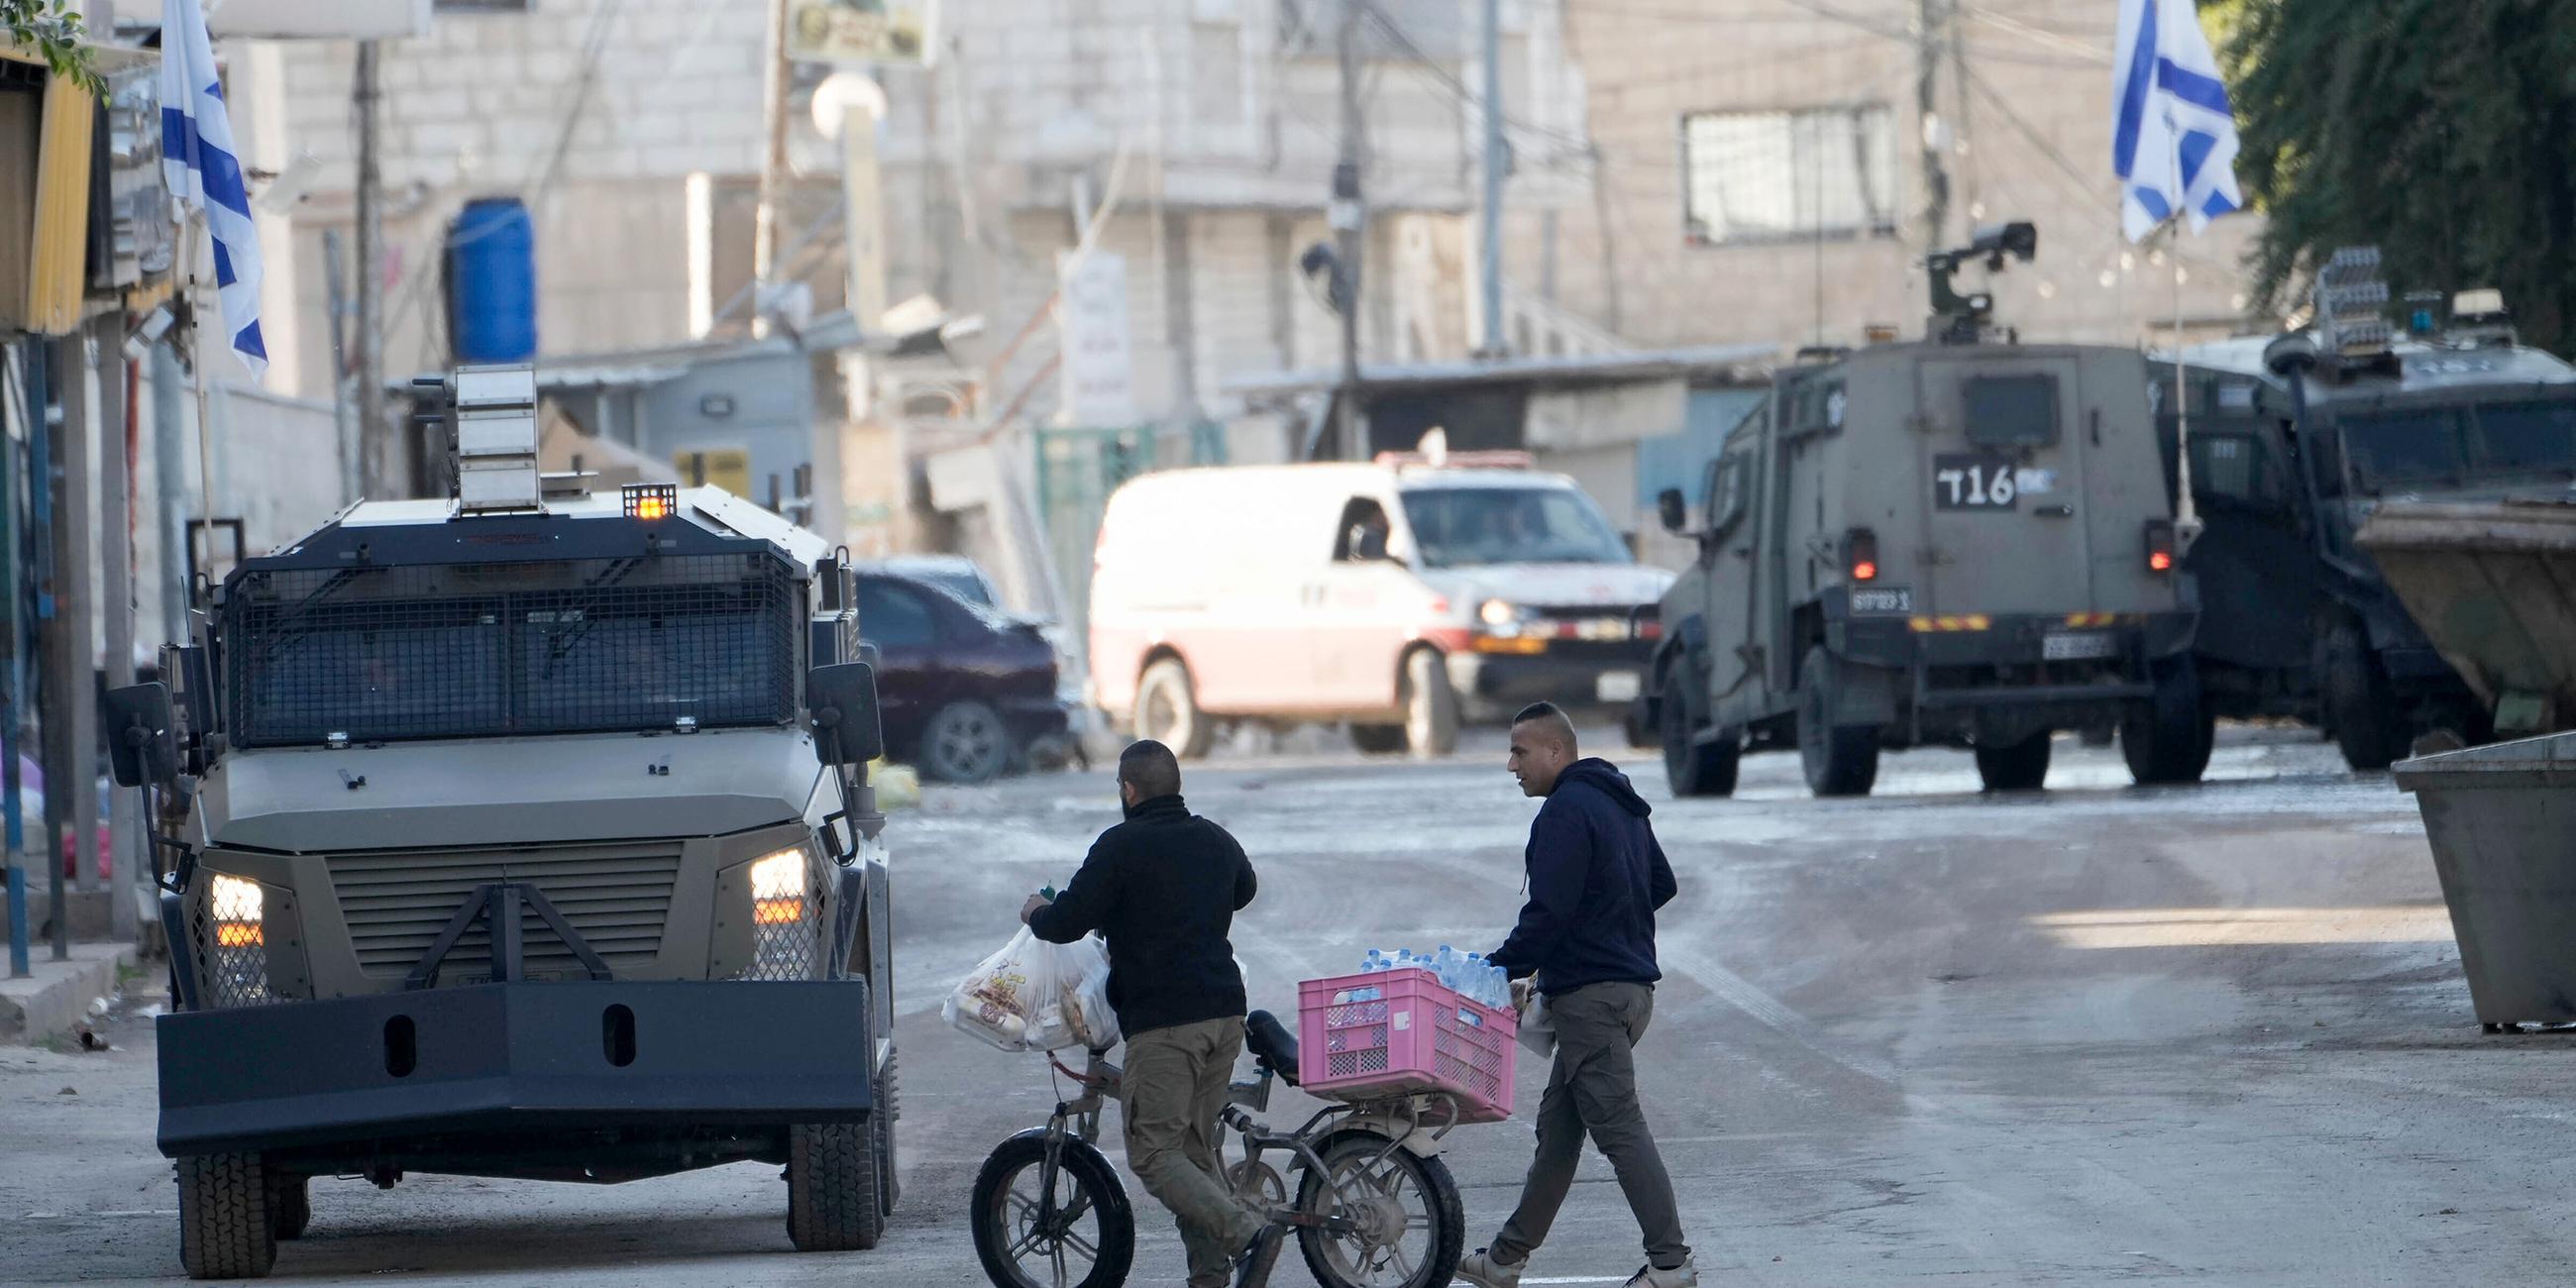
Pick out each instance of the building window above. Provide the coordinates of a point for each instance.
(1789, 175)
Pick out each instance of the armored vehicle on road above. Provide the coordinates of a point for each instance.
(2297, 441)
(520, 834)
(1958, 542)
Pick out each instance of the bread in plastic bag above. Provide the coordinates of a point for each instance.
(1037, 996)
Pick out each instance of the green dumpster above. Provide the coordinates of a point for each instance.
(2502, 820)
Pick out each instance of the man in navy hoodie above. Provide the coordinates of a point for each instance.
(1586, 942)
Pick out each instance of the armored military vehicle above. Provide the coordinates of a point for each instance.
(2297, 441)
(523, 833)
(1956, 542)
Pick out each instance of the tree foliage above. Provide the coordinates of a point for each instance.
(2441, 131)
(52, 30)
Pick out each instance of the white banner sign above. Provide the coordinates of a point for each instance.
(1099, 355)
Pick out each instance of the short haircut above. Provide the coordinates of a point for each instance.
(1550, 720)
(1151, 768)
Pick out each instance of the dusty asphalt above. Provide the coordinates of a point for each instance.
(2207, 1036)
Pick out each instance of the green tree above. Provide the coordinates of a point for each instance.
(2441, 131)
(51, 29)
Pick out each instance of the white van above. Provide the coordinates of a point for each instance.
(1394, 595)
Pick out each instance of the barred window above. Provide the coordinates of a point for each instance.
(1789, 175)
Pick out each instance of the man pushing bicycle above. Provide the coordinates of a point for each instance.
(1162, 889)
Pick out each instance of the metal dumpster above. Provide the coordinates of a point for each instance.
(2502, 820)
(2493, 584)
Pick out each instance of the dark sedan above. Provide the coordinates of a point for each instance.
(966, 691)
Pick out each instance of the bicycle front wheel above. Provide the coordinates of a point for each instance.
(1407, 1223)
(1084, 1238)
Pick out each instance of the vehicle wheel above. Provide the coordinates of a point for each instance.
(1087, 1241)
(1167, 710)
(965, 742)
(224, 1227)
(2361, 705)
(290, 1205)
(881, 1129)
(2167, 738)
(1410, 1224)
(1840, 760)
(1702, 769)
(2019, 767)
(1430, 706)
(1378, 740)
(833, 1202)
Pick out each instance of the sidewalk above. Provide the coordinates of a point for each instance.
(59, 994)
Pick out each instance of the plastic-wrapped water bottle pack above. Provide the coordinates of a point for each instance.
(1467, 974)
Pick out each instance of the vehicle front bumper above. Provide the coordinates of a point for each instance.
(1592, 676)
(490, 1059)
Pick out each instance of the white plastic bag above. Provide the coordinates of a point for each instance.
(1030, 996)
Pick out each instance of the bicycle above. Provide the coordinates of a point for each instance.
(1375, 1207)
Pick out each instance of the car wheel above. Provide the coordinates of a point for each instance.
(1430, 705)
(965, 742)
(2370, 728)
(2015, 767)
(1840, 760)
(2168, 737)
(1167, 710)
(1695, 768)
(1378, 740)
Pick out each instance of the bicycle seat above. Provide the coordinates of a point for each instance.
(1272, 1044)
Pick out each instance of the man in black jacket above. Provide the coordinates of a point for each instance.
(1163, 888)
(1587, 939)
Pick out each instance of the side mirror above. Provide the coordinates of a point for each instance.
(142, 746)
(1673, 510)
(843, 700)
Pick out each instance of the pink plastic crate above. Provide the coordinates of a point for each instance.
(1413, 1036)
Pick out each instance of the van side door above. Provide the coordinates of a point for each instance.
(1359, 607)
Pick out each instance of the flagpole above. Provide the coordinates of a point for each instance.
(2186, 511)
(189, 228)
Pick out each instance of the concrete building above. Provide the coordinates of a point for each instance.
(1758, 173)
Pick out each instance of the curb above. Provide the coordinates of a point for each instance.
(58, 996)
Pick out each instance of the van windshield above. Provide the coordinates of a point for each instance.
(1462, 527)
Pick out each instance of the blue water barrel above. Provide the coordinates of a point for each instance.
(492, 282)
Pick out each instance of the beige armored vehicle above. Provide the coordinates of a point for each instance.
(526, 834)
(1963, 542)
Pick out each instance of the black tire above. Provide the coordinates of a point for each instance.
(1695, 768)
(224, 1227)
(2167, 738)
(1167, 710)
(1378, 740)
(881, 1127)
(1332, 1259)
(290, 1205)
(965, 742)
(2370, 728)
(1430, 706)
(2020, 767)
(1840, 760)
(832, 1172)
(1094, 1186)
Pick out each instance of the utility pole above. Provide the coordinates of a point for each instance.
(1349, 217)
(1497, 162)
(374, 435)
(119, 389)
(341, 418)
(773, 175)
(1927, 86)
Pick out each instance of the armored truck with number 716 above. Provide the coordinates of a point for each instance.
(1961, 542)
(521, 833)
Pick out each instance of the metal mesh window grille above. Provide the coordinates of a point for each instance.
(793, 948)
(460, 650)
(228, 974)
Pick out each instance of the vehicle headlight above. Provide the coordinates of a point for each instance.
(786, 917)
(778, 889)
(1500, 614)
(240, 911)
(232, 943)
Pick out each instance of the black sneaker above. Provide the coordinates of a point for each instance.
(1252, 1266)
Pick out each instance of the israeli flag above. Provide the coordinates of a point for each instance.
(2173, 135)
(204, 172)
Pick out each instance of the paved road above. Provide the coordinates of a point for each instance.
(2210, 1036)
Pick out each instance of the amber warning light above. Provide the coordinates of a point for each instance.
(651, 500)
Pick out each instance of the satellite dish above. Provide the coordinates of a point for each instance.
(840, 94)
